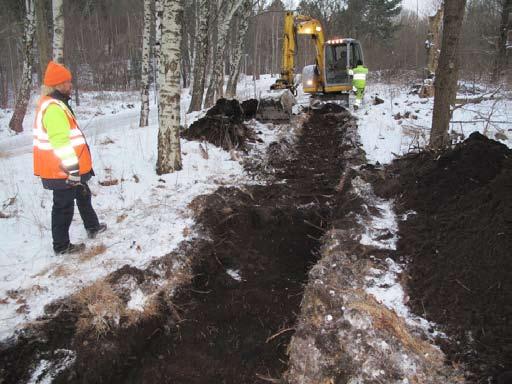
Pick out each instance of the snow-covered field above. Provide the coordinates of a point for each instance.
(146, 214)
(386, 132)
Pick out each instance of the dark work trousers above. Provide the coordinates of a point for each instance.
(63, 209)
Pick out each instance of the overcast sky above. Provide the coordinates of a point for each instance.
(423, 5)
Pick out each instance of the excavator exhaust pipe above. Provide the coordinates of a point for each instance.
(275, 106)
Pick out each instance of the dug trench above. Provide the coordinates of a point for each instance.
(233, 320)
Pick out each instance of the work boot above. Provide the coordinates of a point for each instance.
(70, 249)
(91, 233)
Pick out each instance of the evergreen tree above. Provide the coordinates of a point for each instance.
(371, 19)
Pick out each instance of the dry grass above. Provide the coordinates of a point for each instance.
(92, 252)
(101, 308)
(61, 271)
(388, 321)
(109, 183)
(121, 218)
(197, 205)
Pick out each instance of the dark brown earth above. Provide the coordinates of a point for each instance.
(459, 246)
(224, 125)
(217, 329)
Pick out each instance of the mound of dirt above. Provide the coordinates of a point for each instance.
(222, 126)
(249, 107)
(459, 243)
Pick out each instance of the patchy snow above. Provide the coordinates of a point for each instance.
(386, 133)
(47, 370)
(137, 300)
(147, 215)
(385, 286)
(234, 274)
(382, 230)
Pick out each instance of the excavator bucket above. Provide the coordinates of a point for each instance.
(275, 106)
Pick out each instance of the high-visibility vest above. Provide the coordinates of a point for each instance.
(49, 162)
(359, 79)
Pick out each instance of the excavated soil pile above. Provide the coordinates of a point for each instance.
(249, 107)
(232, 322)
(222, 126)
(459, 243)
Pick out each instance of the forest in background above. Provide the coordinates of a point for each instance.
(103, 39)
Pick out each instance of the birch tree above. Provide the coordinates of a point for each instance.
(234, 71)
(447, 72)
(20, 109)
(225, 14)
(199, 77)
(500, 62)
(146, 54)
(158, 38)
(42, 35)
(169, 151)
(58, 31)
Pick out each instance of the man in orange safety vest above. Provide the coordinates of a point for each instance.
(62, 160)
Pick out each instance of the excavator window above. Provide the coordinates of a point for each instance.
(355, 54)
(336, 58)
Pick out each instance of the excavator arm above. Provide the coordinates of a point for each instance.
(276, 106)
(299, 25)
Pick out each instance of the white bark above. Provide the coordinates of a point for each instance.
(158, 36)
(146, 52)
(58, 31)
(200, 58)
(169, 151)
(226, 12)
(234, 70)
(16, 123)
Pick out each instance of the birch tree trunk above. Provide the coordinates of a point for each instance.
(146, 53)
(43, 38)
(500, 62)
(16, 123)
(200, 58)
(434, 40)
(169, 151)
(234, 70)
(447, 73)
(158, 41)
(58, 31)
(228, 9)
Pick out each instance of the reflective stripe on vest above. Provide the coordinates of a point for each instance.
(48, 163)
(359, 76)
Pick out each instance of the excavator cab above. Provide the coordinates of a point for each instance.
(341, 55)
(333, 82)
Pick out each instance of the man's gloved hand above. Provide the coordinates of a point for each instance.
(73, 178)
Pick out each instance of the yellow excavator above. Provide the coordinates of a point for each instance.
(328, 79)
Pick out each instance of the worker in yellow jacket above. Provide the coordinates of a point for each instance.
(359, 82)
(62, 159)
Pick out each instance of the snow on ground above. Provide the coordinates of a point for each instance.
(400, 125)
(146, 214)
(384, 137)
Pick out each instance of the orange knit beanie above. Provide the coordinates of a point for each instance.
(56, 74)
